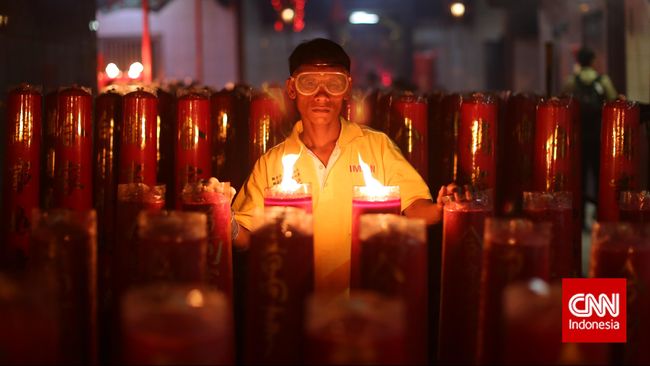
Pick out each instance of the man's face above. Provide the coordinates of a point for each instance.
(319, 92)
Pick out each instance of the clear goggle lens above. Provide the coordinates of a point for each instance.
(334, 83)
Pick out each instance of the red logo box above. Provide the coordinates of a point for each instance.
(594, 310)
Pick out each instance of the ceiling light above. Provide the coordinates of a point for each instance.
(457, 9)
(362, 17)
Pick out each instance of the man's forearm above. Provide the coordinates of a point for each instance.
(425, 209)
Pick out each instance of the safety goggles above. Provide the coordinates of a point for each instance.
(334, 83)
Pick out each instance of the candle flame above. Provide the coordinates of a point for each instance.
(373, 187)
(289, 184)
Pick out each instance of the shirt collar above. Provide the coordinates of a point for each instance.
(349, 131)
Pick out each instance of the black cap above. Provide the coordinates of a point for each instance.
(318, 51)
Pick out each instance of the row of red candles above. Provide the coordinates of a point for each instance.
(139, 138)
(481, 131)
(173, 247)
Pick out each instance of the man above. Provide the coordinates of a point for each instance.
(329, 148)
(591, 89)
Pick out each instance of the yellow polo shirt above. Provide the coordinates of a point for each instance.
(332, 202)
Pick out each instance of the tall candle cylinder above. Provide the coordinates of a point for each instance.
(393, 262)
(177, 324)
(634, 206)
(108, 121)
(64, 250)
(73, 183)
(30, 326)
(213, 198)
(358, 108)
(280, 277)
(166, 137)
(222, 105)
(553, 161)
(298, 196)
(622, 250)
(366, 328)
(450, 128)
(556, 208)
(533, 323)
(462, 247)
(131, 199)
(477, 140)
(619, 155)
(364, 200)
(517, 153)
(264, 125)
(48, 155)
(409, 116)
(382, 120)
(435, 140)
(514, 250)
(241, 129)
(172, 246)
(193, 140)
(21, 176)
(138, 142)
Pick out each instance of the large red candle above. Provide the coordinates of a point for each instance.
(172, 246)
(21, 169)
(553, 162)
(516, 165)
(462, 247)
(108, 119)
(533, 323)
(264, 126)
(477, 140)
(177, 324)
(450, 128)
(435, 140)
(366, 328)
(556, 208)
(367, 200)
(298, 196)
(48, 155)
(166, 133)
(64, 252)
(138, 146)
(280, 277)
(634, 206)
(619, 155)
(222, 106)
(131, 199)
(393, 262)
(622, 250)
(73, 184)
(409, 118)
(514, 250)
(193, 140)
(213, 199)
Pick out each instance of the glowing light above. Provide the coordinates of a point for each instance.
(457, 9)
(135, 70)
(362, 17)
(373, 187)
(112, 71)
(194, 298)
(287, 15)
(289, 184)
(584, 7)
(93, 25)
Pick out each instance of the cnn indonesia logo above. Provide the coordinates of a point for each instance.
(594, 310)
